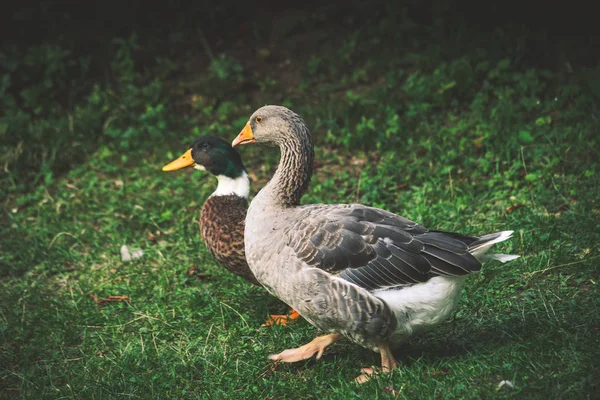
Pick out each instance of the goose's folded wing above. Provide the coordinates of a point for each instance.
(375, 248)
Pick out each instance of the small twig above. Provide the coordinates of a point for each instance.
(207, 336)
(237, 312)
(24, 379)
(59, 235)
(269, 369)
(358, 187)
(523, 160)
(559, 192)
(154, 341)
(526, 172)
(530, 274)
(110, 299)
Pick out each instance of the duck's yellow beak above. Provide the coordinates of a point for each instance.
(245, 137)
(185, 160)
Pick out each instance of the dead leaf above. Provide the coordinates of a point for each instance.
(514, 207)
(478, 142)
(193, 271)
(253, 176)
(151, 237)
(68, 266)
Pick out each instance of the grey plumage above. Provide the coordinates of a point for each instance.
(376, 249)
(371, 275)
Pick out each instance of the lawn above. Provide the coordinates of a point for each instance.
(466, 121)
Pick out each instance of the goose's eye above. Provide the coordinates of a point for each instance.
(259, 119)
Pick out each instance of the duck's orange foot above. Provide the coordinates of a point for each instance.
(317, 346)
(280, 319)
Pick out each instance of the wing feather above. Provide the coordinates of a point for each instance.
(374, 248)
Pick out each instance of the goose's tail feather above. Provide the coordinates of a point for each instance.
(500, 257)
(481, 246)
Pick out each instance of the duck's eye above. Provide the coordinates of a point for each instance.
(204, 146)
(259, 119)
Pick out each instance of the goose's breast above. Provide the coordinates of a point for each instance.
(265, 243)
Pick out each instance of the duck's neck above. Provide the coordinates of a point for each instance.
(293, 174)
(239, 186)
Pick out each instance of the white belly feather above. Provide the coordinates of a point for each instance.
(421, 306)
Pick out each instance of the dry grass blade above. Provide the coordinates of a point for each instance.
(110, 299)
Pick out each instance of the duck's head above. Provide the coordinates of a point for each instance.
(272, 125)
(212, 154)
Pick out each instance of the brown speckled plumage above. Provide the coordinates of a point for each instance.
(222, 226)
(222, 218)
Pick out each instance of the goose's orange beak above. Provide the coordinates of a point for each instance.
(245, 137)
(185, 160)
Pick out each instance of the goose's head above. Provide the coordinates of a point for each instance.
(212, 154)
(274, 126)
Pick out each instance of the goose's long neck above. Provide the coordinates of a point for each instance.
(294, 170)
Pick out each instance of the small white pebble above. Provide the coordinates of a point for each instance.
(128, 254)
(507, 385)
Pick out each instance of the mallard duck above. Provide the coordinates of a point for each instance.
(222, 215)
(351, 270)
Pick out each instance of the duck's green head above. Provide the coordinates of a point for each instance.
(212, 154)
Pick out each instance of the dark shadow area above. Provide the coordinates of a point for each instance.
(56, 54)
(545, 29)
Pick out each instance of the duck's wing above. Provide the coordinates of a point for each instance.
(374, 248)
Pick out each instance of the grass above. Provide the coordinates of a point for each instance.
(458, 131)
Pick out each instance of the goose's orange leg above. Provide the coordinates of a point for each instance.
(388, 362)
(281, 319)
(317, 345)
